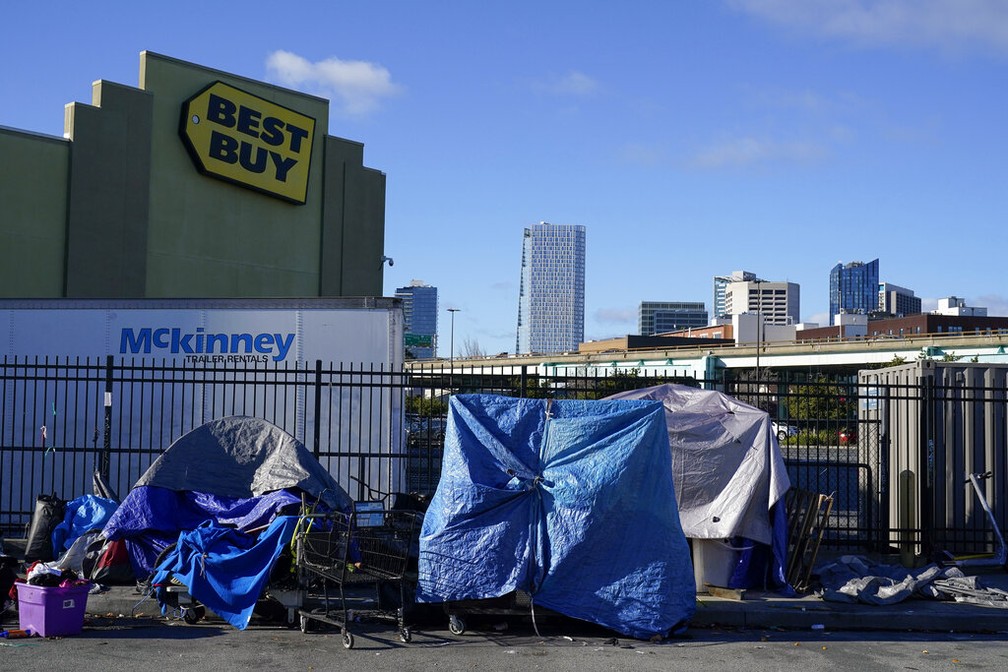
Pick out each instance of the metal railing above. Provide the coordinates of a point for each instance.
(383, 430)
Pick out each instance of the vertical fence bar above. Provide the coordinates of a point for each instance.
(317, 438)
(105, 463)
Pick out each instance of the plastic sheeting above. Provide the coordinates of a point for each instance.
(150, 518)
(238, 470)
(224, 569)
(83, 514)
(241, 457)
(726, 462)
(570, 501)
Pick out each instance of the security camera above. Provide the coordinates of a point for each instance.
(390, 260)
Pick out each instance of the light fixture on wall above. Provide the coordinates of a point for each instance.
(390, 260)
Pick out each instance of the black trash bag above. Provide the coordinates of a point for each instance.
(49, 512)
(101, 487)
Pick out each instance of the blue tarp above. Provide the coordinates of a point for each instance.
(83, 514)
(569, 501)
(150, 518)
(224, 569)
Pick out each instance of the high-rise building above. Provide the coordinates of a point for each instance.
(853, 288)
(659, 317)
(420, 308)
(551, 293)
(897, 301)
(776, 302)
(721, 285)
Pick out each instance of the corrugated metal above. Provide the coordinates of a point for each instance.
(937, 423)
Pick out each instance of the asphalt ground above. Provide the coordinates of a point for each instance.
(758, 610)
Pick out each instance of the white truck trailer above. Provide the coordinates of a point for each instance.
(92, 384)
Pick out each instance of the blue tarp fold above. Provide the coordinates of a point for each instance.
(570, 501)
(224, 569)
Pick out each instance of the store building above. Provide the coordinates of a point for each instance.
(196, 183)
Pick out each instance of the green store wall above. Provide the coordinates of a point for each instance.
(119, 210)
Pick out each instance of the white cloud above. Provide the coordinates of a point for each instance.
(640, 154)
(616, 316)
(356, 87)
(996, 305)
(950, 25)
(749, 150)
(574, 83)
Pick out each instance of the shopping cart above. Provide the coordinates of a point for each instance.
(344, 559)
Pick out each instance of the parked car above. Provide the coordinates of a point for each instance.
(847, 436)
(782, 430)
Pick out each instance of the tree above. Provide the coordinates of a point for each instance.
(821, 400)
(471, 349)
(426, 406)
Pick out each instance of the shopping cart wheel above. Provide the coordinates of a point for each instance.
(456, 624)
(193, 615)
(405, 636)
(347, 640)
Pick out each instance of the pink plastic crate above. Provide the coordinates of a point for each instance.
(52, 611)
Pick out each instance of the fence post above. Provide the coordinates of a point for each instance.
(524, 381)
(317, 438)
(927, 461)
(105, 459)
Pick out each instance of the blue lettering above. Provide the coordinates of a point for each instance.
(297, 135)
(282, 166)
(133, 343)
(272, 131)
(175, 341)
(248, 121)
(241, 339)
(283, 346)
(245, 158)
(223, 147)
(220, 340)
(160, 338)
(221, 111)
(264, 343)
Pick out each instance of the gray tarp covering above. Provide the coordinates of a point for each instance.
(726, 464)
(855, 578)
(240, 456)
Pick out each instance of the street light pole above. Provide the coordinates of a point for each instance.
(451, 351)
(759, 324)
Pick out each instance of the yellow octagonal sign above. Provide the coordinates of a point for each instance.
(247, 140)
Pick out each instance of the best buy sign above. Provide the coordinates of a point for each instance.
(244, 139)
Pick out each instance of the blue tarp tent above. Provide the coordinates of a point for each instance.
(569, 501)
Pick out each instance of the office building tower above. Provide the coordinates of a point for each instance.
(853, 288)
(777, 302)
(659, 317)
(897, 301)
(720, 286)
(420, 308)
(551, 292)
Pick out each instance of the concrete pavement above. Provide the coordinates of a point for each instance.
(757, 611)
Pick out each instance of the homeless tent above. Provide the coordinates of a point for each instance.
(236, 471)
(569, 501)
(729, 473)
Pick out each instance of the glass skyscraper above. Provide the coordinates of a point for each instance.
(659, 317)
(420, 305)
(551, 293)
(853, 288)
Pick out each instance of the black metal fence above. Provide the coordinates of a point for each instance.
(62, 420)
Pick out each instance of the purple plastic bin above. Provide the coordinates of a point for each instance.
(52, 611)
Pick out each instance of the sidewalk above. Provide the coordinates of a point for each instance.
(757, 611)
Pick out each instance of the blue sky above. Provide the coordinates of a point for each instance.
(691, 138)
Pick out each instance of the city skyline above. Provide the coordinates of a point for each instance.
(689, 138)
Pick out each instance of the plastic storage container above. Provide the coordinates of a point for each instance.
(52, 611)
